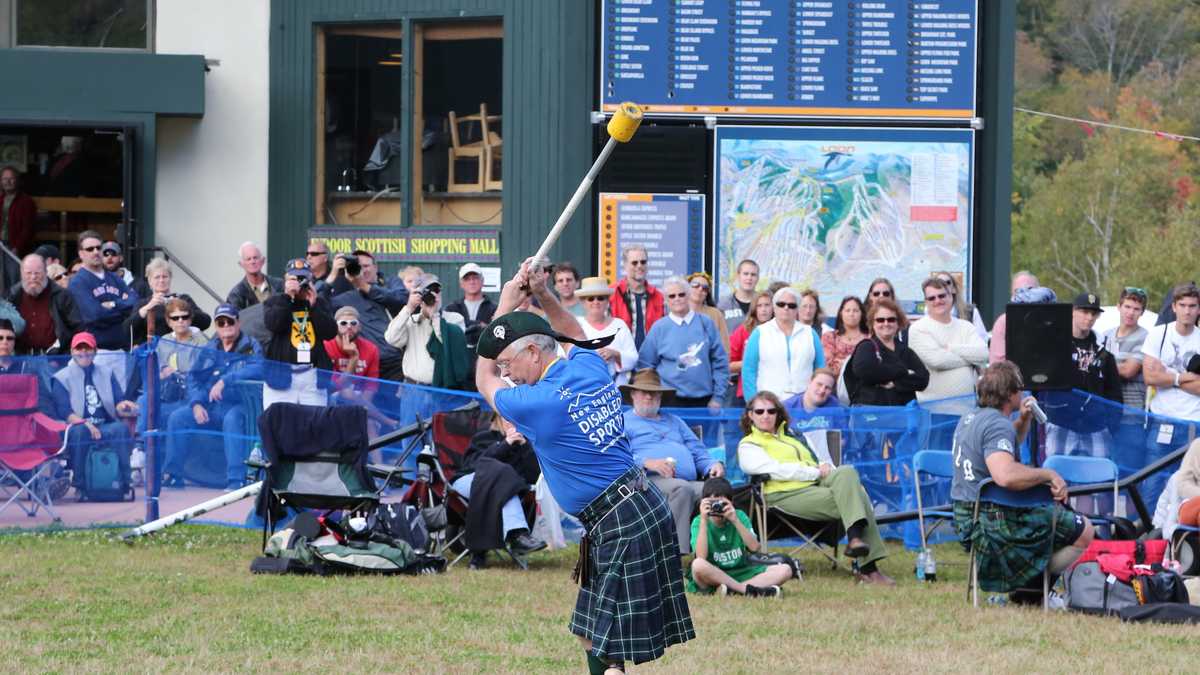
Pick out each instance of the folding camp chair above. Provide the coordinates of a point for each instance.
(938, 463)
(31, 445)
(771, 522)
(1077, 470)
(1184, 548)
(316, 459)
(990, 492)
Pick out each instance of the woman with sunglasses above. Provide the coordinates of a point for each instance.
(960, 308)
(849, 329)
(805, 485)
(621, 354)
(762, 311)
(158, 279)
(949, 347)
(883, 370)
(701, 301)
(782, 353)
(881, 287)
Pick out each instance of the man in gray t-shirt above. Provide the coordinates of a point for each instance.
(980, 433)
(1125, 342)
(1012, 544)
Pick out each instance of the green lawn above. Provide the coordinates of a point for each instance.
(184, 600)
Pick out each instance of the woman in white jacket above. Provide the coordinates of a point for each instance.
(782, 353)
(950, 348)
(622, 354)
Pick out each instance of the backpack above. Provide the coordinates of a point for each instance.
(400, 521)
(1112, 576)
(106, 475)
(290, 551)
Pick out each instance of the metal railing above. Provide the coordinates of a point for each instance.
(171, 257)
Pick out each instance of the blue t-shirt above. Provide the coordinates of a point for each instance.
(572, 416)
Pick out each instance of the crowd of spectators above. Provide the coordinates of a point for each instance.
(333, 329)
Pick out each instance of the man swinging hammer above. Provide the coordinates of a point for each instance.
(631, 603)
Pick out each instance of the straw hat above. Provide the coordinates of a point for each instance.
(646, 379)
(592, 287)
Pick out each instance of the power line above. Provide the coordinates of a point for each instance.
(1108, 125)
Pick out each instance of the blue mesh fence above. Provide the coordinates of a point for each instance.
(196, 408)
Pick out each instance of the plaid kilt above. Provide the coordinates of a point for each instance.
(633, 606)
(1012, 544)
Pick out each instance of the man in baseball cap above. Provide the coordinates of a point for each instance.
(570, 411)
(476, 308)
(89, 397)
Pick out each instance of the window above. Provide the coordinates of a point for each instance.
(360, 116)
(113, 24)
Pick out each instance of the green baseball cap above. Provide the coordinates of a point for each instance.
(507, 329)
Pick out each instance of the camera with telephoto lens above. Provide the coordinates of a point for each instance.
(717, 507)
(428, 296)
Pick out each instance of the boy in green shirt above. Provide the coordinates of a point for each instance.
(722, 539)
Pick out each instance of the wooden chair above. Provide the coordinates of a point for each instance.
(483, 151)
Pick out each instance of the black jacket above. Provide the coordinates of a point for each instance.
(66, 317)
(474, 328)
(279, 312)
(1094, 370)
(873, 365)
(502, 471)
(135, 325)
(242, 296)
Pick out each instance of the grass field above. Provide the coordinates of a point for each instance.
(184, 600)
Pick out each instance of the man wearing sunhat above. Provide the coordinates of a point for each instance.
(631, 604)
(299, 322)
(674, 459)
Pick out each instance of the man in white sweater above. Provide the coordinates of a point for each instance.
(416, 323)
(950, 348)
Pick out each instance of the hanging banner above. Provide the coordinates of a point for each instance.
(413, 244)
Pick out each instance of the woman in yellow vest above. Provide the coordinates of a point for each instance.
(802, 485)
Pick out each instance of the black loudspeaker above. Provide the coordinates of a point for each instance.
(1038, 339)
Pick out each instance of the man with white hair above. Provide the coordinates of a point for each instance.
(255, 286)
(686, 350)
(996, 348)
(51, 318)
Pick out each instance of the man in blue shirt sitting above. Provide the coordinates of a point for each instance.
(631, 604)
(674, 459)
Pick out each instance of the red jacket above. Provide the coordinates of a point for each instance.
(618, 304)
(21, 217)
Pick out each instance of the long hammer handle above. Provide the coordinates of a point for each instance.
(576, 200)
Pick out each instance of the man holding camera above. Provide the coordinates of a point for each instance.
(723, 540)
(376, 306)
(435, 348)
(297, 370)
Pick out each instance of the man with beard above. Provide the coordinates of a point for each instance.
(51, 317)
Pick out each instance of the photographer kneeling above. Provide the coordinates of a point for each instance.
(722, 540)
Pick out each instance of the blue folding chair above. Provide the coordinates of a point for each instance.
(992, 493)
(938, 463)
(1076, 470)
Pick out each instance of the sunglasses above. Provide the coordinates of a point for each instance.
(179, 317)
(764, 411)
(935, 298)
(886, 319)
(58, 277)
(672, 296)
(313, 254)
(225, 321)
(697, 284)
(90, 249)
(595, 298)
(111, 254)
(789, 305)
(347, 322)
(638, 263)
(1134, 290)
(8, 338)
(881, 294)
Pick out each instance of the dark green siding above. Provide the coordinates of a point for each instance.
(547, 91)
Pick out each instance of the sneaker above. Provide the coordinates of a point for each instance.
(1056, 602)
(763, 591)
(721, 590)
(478, 560)
(521, 543)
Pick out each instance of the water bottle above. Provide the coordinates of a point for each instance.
(254, 462)
(921, 557)
(930, 567)
(424, 465)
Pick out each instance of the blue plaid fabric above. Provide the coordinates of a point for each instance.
(633, 606)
